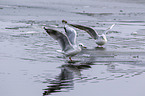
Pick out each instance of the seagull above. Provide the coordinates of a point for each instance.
(67, 42)
(99, 39)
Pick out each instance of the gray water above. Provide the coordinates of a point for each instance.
(31, 66)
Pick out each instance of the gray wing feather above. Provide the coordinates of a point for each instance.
(71, 34)
(89, 30)
(61, 38)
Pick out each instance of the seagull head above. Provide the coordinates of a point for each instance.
(82, 46)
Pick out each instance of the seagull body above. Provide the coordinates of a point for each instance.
(99, 39)
(67, 42)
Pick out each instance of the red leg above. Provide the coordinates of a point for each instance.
(70, 59)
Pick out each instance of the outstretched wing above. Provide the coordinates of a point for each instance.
(71, 34)
(61, 38)
(89, 30)
(108, 29)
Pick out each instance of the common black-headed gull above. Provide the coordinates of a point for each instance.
(67, 42)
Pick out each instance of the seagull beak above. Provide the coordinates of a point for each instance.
(84, 47)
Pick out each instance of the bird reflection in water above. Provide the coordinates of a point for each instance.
(64, 81)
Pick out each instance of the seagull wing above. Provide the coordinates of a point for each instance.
(108, 29)
(61, 38)
(71, 34)
(89, 30)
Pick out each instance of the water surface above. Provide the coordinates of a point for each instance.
(31, 66)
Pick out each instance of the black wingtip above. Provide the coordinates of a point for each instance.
(64, 21)
(44, 28)
(47, 30)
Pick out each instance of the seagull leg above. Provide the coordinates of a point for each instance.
(70, 59)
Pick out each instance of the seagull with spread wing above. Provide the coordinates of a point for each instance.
(67, 42)
(99, 39)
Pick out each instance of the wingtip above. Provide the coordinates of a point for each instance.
(112, 26)
(44, 28)
(47, 29)
(64, 21)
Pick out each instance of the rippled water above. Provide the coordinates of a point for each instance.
(31, 66)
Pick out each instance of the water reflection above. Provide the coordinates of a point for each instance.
(100, 48)
(108, 65)
(64, 81)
